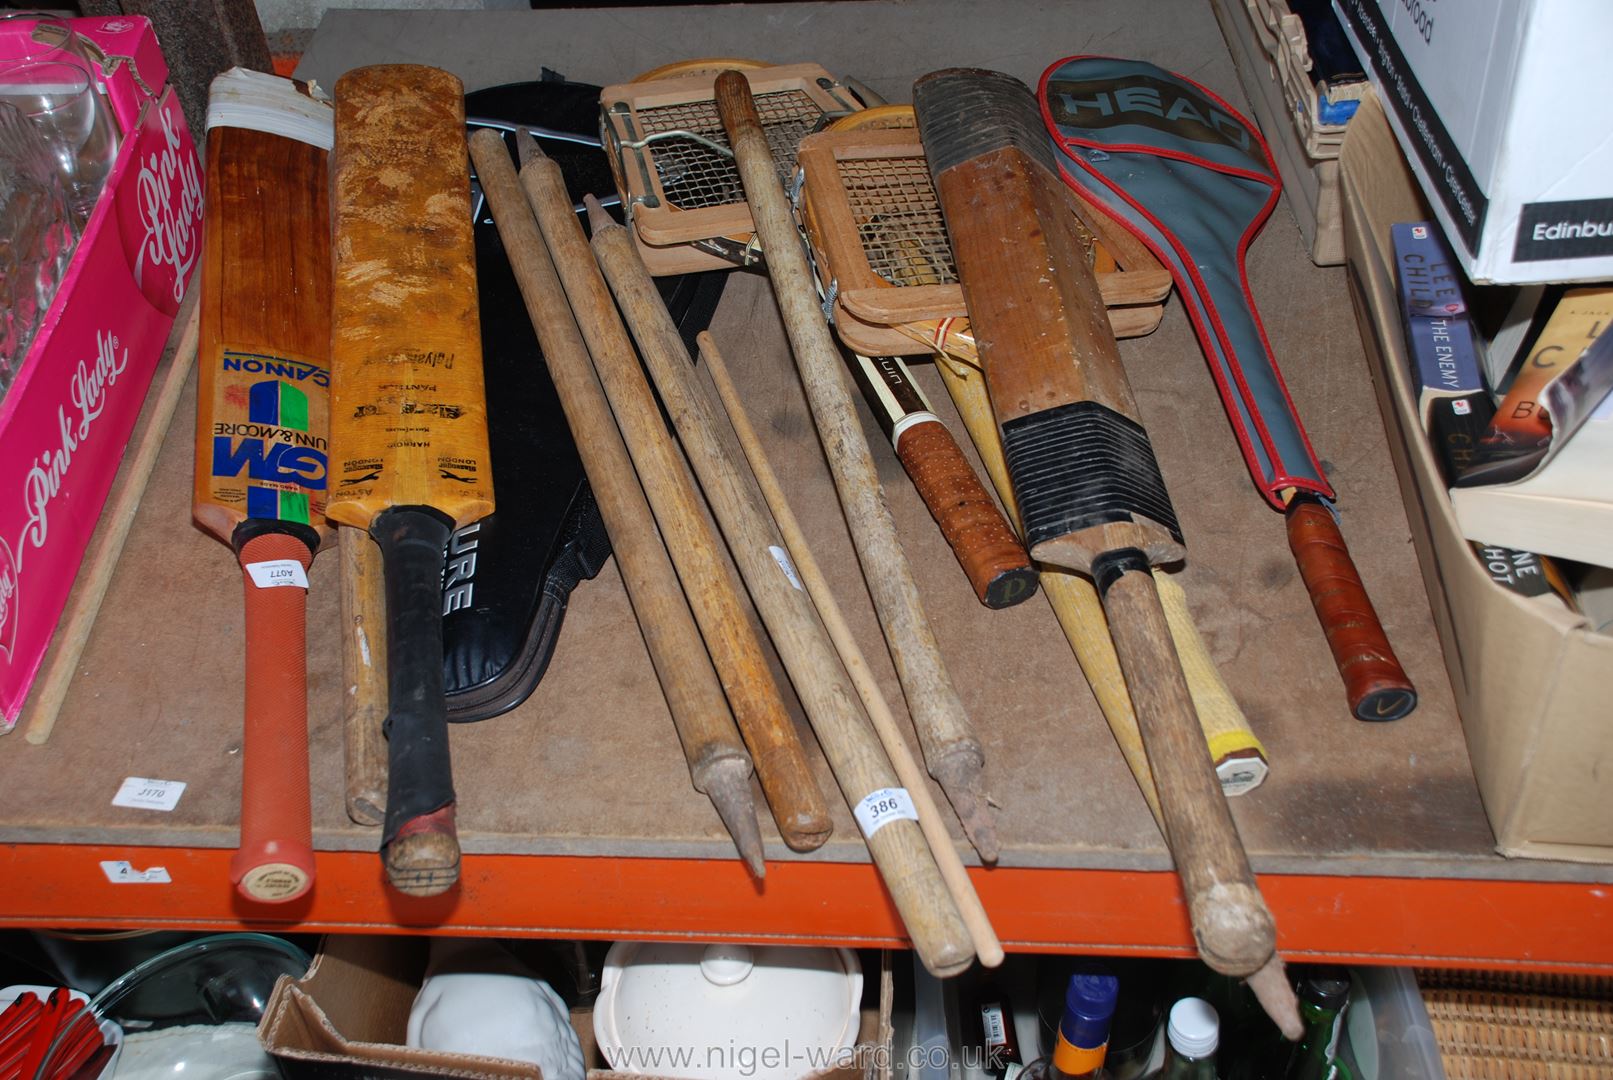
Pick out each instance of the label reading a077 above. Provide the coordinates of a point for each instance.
(879, 808)
(277, 574)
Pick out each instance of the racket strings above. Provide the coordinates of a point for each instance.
(899, 220)
(903, 239)
(684, 141)
(905, 242)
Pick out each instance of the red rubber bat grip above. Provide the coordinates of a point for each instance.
(991, 555)
(1374, 681)
(275, 862)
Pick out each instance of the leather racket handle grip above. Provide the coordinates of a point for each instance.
(991, 555)
(275, 862)
(1375, 683)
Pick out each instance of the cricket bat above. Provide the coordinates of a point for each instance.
(408, 412)
(262, 425)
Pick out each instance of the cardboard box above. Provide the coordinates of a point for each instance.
(1501, 106)
(346, 1018)
(67, 417)
(1532, 684)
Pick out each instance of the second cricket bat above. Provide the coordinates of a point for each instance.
(409, 456)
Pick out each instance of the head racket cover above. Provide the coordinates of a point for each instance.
(1194, 181)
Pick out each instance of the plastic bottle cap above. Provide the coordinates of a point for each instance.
(1194, 1029)
(1092, 996)
(1089, 1005)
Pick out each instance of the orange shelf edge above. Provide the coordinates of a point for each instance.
(1436, 921)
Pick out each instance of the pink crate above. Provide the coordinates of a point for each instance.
(134, 69)
(68, 415)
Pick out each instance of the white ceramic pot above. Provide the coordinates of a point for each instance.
(477, 999)
(765, 1012)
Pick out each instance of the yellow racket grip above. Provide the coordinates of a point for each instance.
(1239, 757)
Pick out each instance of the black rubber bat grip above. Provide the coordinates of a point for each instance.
(419, 844)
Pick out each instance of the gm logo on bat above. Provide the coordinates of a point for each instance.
(274, 444)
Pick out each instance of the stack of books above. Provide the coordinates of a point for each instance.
(1529, 461)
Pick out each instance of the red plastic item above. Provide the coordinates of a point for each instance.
(19, 1015)
(29, 1027)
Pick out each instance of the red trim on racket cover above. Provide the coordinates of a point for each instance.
(1272, 489)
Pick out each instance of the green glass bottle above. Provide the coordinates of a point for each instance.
(1243, 1025)
(1323, 994)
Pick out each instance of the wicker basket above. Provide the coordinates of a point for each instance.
(1511, 1026)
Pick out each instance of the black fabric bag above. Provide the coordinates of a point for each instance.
(507, 579)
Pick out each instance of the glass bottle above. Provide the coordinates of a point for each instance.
(1193, 1032)
(1323, 992)
(1244, 1030)
(998, 1039)
(1083, 1037)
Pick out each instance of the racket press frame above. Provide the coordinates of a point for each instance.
(717, 233)
(868, 305)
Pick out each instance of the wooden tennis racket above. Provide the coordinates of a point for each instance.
(870, 211)
(871, 214)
